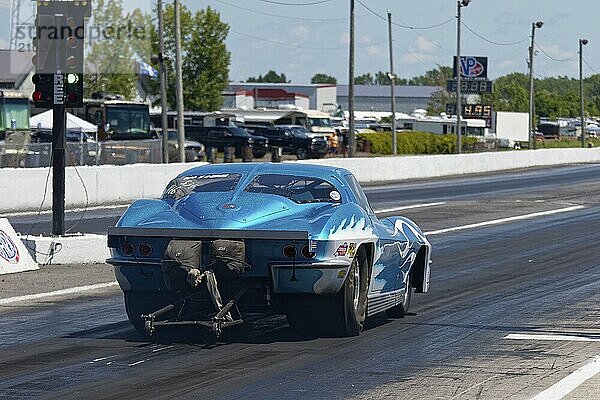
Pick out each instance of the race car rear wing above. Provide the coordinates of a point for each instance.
(174, 233)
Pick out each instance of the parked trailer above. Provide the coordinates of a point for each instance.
(511, 129)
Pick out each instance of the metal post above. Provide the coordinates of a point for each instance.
(392, 79)
(582, 42)
(163, 83)
(532, 143)
(458, 82)
(179, 78)
(352, 135)
(58, 169)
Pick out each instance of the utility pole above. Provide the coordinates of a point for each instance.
(582, 42)
(392, 79)
(532, 142)
(179, 78)
(352, 136)
(460, 4)
(163, 83)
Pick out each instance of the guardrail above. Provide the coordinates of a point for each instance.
(23, 189)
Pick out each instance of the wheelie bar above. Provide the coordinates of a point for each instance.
(221, 320)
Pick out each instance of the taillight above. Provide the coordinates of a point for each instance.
(145, 249)
(289, 251)
(306, 253)
(127, 248)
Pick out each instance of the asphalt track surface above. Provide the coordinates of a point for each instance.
(526, 276)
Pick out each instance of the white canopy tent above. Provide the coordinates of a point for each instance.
(44, 121)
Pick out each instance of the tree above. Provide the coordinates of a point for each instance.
(205, 58)
(206, 62)
(270, 77)
(435, 77)
(323, 78)
(110, 64)
(438, 100)
(365, 79)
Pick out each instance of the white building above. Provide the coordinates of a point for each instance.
(274, 95)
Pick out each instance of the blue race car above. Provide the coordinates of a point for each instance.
(230, 239)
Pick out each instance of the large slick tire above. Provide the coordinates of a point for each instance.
(342, 314)
(352, 298)
(401, 310)
(138, 303)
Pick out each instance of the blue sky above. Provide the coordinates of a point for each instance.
(303, 40)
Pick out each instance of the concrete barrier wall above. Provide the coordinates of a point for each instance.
(385, 169)
(22, 189)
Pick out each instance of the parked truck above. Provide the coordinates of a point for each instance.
(510, 129)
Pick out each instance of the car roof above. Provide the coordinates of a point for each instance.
(253, 169)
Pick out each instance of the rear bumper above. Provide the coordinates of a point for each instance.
(307, 278)
(315, 278)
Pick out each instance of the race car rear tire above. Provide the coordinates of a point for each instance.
(342, 314)
(401, 309)
(353, 297)
(138, 303)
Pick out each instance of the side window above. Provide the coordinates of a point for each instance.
(358, 192)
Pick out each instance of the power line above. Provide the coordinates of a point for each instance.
(340, 19)
(413, 29)
(491, 41)
(400, 25)
(298, 46)
(281, 3)
(552, 58)
(589, 66)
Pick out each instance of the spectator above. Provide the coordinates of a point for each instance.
(333, 144)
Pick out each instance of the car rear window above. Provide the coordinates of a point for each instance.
(182, 186)
(300, 189)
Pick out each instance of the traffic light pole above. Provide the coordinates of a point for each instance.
(58, 169)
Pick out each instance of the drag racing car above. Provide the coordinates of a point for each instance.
(229, 240)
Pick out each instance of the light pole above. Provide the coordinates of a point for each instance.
(163, 83)
(392, 78)
(460, 5)
(179, 85)
(351, 135)
(539, 24)
(582, 42)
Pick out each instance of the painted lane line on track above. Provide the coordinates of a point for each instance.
(504, 220)
(61, 292)
(556, 338)
(388, 210)
(569, 383)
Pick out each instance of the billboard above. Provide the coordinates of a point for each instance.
(472, 67)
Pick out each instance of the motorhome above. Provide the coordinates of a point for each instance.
(314, 121)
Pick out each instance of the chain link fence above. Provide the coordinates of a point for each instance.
(119, 152)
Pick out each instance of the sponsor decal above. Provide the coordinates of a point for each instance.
(341, 250)
(352, 250)
(8, 249)
(341, 274)
(335, 195)
(312, 246)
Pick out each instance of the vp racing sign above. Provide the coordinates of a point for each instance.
(472, 67)
(14, 257)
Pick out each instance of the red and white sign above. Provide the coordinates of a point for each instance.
(14, 257)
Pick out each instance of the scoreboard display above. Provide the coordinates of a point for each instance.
(477, 111)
